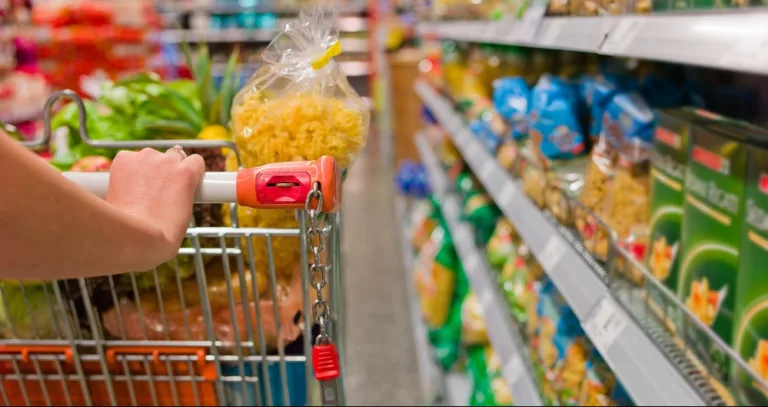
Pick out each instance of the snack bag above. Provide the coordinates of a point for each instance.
(436, 277)
(502, 395)
(297, 106)
(556, 138)
(511, 98)
(473, 328)
(502, 243)
(628, 202)
(423, 222)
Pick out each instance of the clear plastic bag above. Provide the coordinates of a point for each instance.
(299, 104)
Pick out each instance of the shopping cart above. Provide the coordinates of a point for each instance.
(64, 350)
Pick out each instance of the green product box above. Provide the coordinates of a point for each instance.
(668, 162)
(712, 233)
(750, 336)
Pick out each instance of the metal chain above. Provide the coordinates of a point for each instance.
(318, 272)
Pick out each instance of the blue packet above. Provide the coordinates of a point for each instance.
(483, 132)
(511, 98)
(596, 92)
(412, 180)
(554, 119)
(627, 119)
(428, 116)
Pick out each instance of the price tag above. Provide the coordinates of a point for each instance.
(513, 369)
(604, 325)
(622, 35)
(552, 252)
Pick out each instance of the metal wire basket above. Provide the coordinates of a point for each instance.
(165, 336)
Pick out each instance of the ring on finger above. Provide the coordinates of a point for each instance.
(177, 148)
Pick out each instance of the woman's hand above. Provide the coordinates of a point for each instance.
(54, 229)
(157, 187)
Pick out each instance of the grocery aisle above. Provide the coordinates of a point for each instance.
(381, 356)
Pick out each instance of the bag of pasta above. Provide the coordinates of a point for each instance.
(298, 106)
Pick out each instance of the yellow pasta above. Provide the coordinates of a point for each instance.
(270, 128)
(296, 127)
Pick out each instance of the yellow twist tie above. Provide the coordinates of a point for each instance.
(322, 61)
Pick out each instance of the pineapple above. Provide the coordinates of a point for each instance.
(215, 109)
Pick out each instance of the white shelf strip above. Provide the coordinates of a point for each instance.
(648, 375)
(728, 39)
(502, 334)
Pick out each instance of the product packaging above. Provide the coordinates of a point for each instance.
(424, 219)
(482, 394)
(713, 230)
(446, 340)
(481, 212)
(519, 281)
(668, 167)
(502, 396)
(473, 327)
(556, 142)
(563, 347)
(502, 243)
(620, 158)
(511, 98)
(435, 277)
(298, 106)
(750, 337)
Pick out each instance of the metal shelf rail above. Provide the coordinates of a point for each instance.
(649, 375)
(728, 39)
(502, 332)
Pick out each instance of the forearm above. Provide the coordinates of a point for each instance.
(75, 234)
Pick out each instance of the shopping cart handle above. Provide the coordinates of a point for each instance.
(279, 186)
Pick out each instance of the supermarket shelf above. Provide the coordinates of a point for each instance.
(728, 39)
(353, 7)
(649, 376)
(430, 373)
(348, 45)
(502, 332)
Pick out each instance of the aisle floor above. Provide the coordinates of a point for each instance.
(380, 351)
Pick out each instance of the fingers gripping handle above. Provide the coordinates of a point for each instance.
(279, 186)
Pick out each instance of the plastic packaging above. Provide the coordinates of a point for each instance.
(297, 106)
(511, 98)
(629, 199)
(435, 277)
(502, 243)
(473, 328)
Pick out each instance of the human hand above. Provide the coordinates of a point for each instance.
(158, 188)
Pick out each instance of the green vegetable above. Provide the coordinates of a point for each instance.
(27, 311)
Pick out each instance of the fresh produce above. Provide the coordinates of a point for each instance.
(27, 311)
(93, 163)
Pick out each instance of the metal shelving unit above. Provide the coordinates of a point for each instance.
(502, 333)
(649, 375)
(432, 377)
(727, 39)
